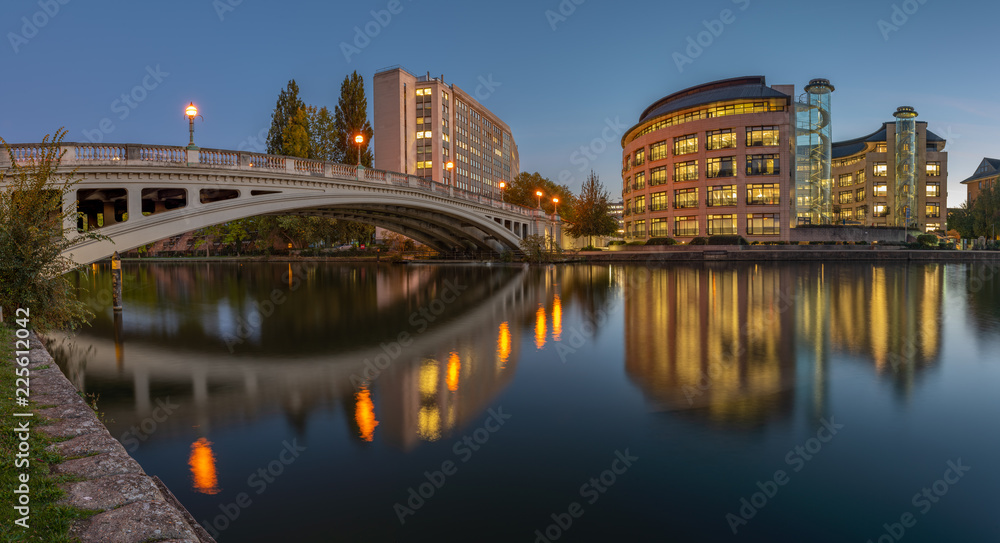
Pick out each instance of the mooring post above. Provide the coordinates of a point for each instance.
(116, 281)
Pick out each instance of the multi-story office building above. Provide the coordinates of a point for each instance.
(423, 124)
(739, 157)
(986, 175)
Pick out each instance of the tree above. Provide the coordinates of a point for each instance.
(592, 213)
(34, 238)
(295, 140)
(961, 221)
(350, 119)
(287, 106)
(985, 212)
(522, 189)
(323, 136)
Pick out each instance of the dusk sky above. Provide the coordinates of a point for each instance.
(556, 72)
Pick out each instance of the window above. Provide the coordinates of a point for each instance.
(762, 136)
(881, 148)
(933, 169)
(721, 224)
(881, 189)
(685, 226)
(933, 210)
(860, 177)
(425, 164)
(933, 190)
(763, 165)
(720, 139)
(846, 197)
(763, 224)
(640, 204)
(640, 181)
(880, 210)
(861, 212)
(659, 228)
(658, 151)
(722, 195)
(658, 201)
(686, 171)
(640, 157)
(880, 169)
(847, 214)
(859, 195)
(685, 198)
(640, 229)
(846, 180)
(721, 167)
(932, 226)
(684, 145)
(658, 176)
(768, 194)
(627, 185)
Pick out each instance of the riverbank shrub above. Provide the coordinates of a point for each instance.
(661, 241)
(698, 241)
(727, 239)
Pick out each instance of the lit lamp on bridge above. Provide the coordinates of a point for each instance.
(555, 205)
(502, 186)
(359, 139)
(448, 166)
(539, 194)
(191, 111)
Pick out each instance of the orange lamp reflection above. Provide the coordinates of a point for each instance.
(202, 462)
(540, 327)
(557, 319)
(364, 413)
(503, 343)
(454, 365)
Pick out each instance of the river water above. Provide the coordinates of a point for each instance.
(353, 402)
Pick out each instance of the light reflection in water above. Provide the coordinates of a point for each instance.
(556, 319)
(202, 462)
(454, 365)
(364, 413)
(503, 344)
(540, 327)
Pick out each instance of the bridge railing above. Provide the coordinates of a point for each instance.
(126, 155)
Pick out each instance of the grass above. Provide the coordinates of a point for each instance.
(47, 521)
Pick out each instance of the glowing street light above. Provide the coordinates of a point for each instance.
(359, 139)
(191, 111)
(502, 186)
(539, 194)
(555, 205)
(448, 166)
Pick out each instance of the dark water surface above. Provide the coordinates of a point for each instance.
(329, 402)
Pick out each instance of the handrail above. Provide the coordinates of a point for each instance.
(124, 155)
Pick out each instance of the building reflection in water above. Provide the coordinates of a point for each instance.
(202, 463)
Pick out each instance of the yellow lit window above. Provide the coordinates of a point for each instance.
(428, 134)
(420, 135)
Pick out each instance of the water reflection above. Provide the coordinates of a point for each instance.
(202, 463)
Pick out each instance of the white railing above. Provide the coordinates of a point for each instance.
(143, 155)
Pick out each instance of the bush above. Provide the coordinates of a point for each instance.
(727, 240)
(636, 243)
(590, 248)
(928, 240)
(661, 241)
(698, 241)
(616, 242)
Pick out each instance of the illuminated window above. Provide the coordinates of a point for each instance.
(420, 135)
(640, 157)
(762, 136)
(763, 165)
(721, 167)
(846, 197)
(658, 151)
(880, 189)
(859, 195)
(720, 139)
(658, 176)
(685, 226)
(861, 212)
(686, 171)
(722, 195)
(880, 210)
(934, 169)
(933, 210)
(881, 148)
(659, 228)
(684, 145)
(685, 198)
(880, 169)
(933, 190)
(846, 180)
(763, 194)
(640, 204)
(721, 224)
(627, 185)
(658, 202)
(640, 181)
(860, 177)
(640, 229)
(428, 134)
(847, 214)
(932, 226)
(763, 224)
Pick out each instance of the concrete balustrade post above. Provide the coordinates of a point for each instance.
(193, 156)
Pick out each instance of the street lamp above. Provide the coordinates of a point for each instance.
(448, 166)
(359, 139)
(502, 186)
(555, 205)
(539, 194)
(191, 111)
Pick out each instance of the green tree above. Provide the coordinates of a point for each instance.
(961, 221)
(351, 119)
(522, 189)
(34, 237)
(592, 213)
(323, 136)
(986, 212)
(286, 108)
(295, 140)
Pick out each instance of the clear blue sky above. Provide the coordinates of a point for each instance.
(557, 87)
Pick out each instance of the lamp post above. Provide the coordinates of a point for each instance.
(555, 206)
(448, 166)
(503, 185)
(539, 194)
(359, 139)
(191, 111)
